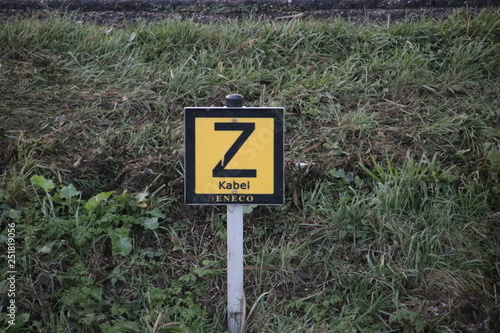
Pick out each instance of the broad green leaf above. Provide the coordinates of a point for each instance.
(46, 248)
(247, 209)
(103, 196)
(68, 192)
(14, 214)
(141, 197)
(22, 319)
(116, 275)
(156, 212)
(121, 243)
(151, 223)
(96, 293)
(342, 234)
(97, 199)
(337, 173)
(42, 182)
(121, 326)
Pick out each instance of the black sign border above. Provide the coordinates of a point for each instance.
(191, 113)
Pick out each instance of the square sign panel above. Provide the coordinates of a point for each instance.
(234, 156)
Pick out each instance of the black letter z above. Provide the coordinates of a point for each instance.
(219, 170)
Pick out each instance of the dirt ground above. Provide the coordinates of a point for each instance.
(117, 18)
(119, 11)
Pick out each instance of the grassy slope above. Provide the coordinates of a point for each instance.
(390, 227)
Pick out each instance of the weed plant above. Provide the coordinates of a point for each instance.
(391, 221)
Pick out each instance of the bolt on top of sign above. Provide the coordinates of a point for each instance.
(234, 155)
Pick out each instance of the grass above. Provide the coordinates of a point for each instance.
(392, 175)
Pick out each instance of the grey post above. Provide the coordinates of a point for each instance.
(235, 293)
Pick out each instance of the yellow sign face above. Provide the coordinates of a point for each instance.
(234, 155)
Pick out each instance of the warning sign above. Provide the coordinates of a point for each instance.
(234, 155)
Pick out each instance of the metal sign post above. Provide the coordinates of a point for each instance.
(233, 157)
(235, 290)
(235, 293)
